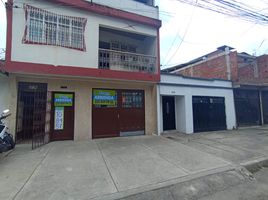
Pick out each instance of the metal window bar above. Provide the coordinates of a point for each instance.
(41, 119)
(52, 29)
(126, 61)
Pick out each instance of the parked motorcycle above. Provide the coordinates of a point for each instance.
(6, 140)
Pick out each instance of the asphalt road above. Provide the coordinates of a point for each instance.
(257, 189)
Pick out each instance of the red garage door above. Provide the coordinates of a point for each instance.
(117, 113)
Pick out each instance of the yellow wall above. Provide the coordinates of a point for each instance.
(83, 99)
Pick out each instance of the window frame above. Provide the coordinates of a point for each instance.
(76, 26)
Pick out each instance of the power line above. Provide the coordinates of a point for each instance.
(3, 2)
(183, 37)
(232, 8)
(172, 44)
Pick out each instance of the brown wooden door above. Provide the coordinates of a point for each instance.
(131, 112)
(105, 123)
(117, 112)
(105, 113)
(62, 116)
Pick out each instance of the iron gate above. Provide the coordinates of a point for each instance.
(209, 113)
(33, 114)
(247, 107)
(265, 106)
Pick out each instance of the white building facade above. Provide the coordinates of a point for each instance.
(191, 105)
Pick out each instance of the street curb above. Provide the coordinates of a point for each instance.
(247, 169)
(146, 188)
(255, 165)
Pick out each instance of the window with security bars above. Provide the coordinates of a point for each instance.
(132, 99)
(43, 27)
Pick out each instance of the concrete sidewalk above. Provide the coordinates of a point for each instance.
(119, 167)
(240, 146)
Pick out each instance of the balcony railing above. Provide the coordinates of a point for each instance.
(126, 61)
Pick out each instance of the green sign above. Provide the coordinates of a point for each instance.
(104, 97)
(63, 100)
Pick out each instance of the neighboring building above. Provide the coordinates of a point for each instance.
(191, 105)
(4, 88)
(249, 75)
(82, 69)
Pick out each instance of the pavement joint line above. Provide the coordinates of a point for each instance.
(183, 169)
(256, 161)
(163, 184)
(219, 147)
(28, 179)
(218, 158)
(231, 145)
(107, 167)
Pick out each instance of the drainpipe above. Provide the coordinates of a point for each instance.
(158, 107)
(228, 62)
(261, 108)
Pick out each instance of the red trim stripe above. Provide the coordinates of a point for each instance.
(108, 11)
(31, 68)
(9, 10)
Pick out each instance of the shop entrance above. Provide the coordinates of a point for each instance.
(32, 114)
(168, 105)
(62, 116)
(117, 113)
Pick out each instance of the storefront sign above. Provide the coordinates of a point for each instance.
(63, 100)
(104, 97)
(59, 118)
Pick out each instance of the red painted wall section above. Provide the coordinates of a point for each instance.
(9, 9)
(105, 10)
(32, 68)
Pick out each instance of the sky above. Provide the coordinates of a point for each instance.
(189, 32)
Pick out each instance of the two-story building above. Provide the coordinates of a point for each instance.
(82, 69)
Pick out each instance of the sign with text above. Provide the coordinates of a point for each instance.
(63, 100)
(59, 118)
(104, 97)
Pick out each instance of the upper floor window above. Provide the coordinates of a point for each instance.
(43, 27)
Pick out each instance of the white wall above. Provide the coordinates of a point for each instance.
(172, 85)
(180, 114)
(4, 93)
(53, 55)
